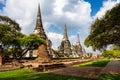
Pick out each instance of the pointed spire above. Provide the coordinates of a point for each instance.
(39, 27)
(78, 39)
(39, 10)
(65, 33)
(39, 19)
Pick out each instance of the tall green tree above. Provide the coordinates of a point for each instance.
(13, 42)
(9, 34)
(105, 31)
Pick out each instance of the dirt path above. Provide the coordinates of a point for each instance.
(91, 72)
(113, 67)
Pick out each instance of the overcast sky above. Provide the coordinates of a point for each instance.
(76, 14)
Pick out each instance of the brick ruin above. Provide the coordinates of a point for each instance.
(43, 55)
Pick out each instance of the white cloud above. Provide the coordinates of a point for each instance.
(75, 13)
(106, 6)
(55, 38)
(24, 12)
(73, 39)
(59, 5)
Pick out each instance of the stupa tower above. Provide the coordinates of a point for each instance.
(65, 37)
(78, 46)
(39, 31)
(65, 47)
(39, 26)
(78, 40)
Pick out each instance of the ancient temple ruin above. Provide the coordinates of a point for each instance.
(39, 31)
(43, 55)
(77, 50)
(68, 50)
(65, 47)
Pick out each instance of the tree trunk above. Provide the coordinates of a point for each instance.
(14, 55)
(23, 53)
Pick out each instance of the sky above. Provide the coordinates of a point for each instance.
(76, 14)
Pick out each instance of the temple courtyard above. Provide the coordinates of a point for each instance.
(67, 40)
(101, 69)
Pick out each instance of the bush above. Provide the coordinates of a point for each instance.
(111, 53)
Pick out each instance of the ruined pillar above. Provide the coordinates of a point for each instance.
(43, 54)
(0, 57)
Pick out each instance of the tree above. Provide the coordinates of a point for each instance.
(30, 42)
(9, 33)
(10, 22)
(105, 31)
(13, 42)
(111, 53)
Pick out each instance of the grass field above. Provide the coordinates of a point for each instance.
(96, 63)
(28, 74)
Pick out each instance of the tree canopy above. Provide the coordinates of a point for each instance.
(9, 21)
(9, 32)
(105, 31)
(111, 53)
(13, 42)
(9, 36)
(30, 42)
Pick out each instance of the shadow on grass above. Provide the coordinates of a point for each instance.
(44, 76)
(28, 74)
(109, 77)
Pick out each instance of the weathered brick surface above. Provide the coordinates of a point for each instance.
(0, 60)
(43, 54)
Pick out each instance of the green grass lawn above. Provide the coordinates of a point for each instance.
(28, 74)
(97, 63)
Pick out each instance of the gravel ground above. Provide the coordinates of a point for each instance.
(89, 72)
(113, 67)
